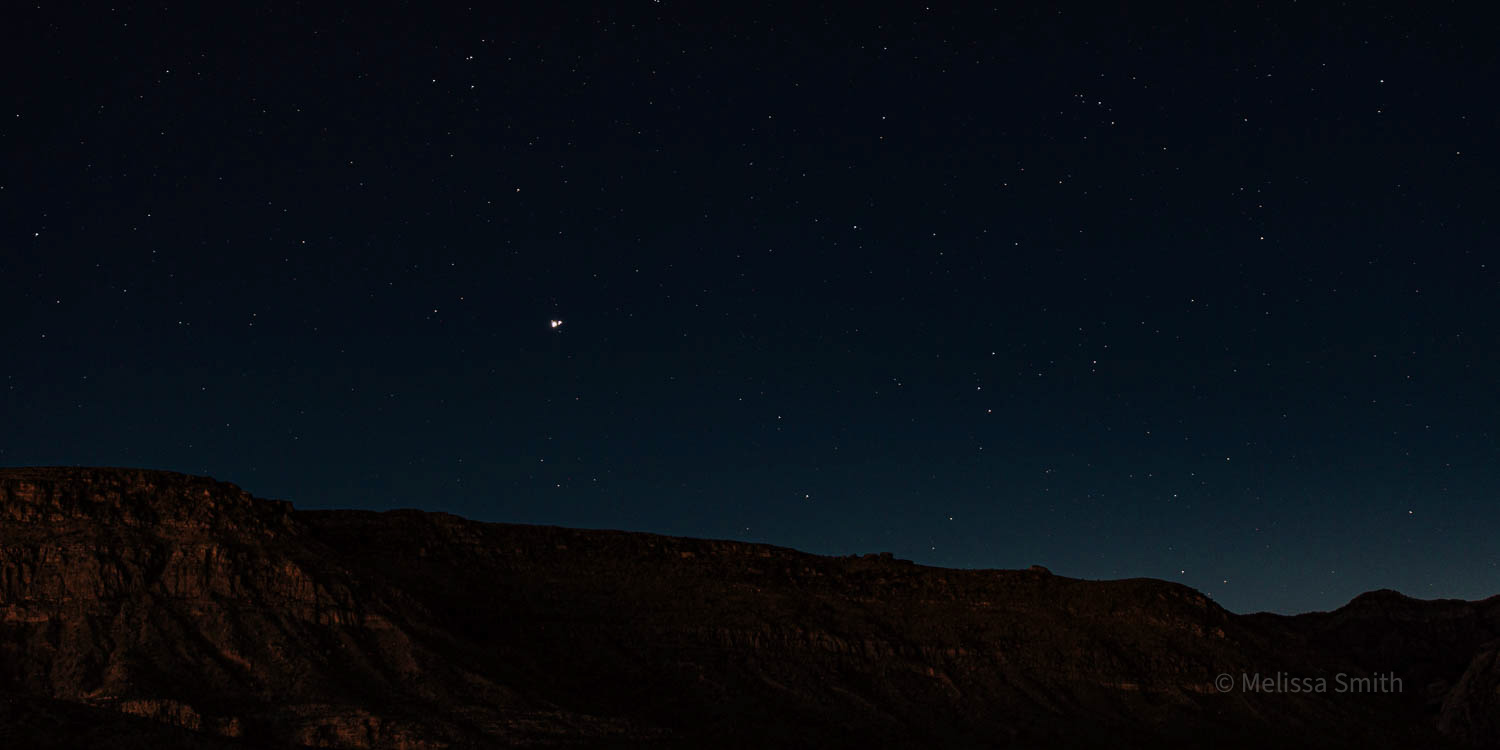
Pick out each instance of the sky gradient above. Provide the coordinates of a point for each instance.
(1207, 298)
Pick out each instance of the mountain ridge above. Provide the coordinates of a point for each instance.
(190, 603)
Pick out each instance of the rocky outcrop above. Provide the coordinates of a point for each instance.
(178, 602)
(1471, 710)
(41, 724)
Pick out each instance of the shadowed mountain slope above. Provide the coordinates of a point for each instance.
(153, 604)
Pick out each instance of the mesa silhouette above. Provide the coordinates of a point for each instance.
(153, 609)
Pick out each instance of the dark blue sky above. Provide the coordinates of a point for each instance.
(1209, 298)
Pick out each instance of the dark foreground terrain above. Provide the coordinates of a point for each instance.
(150, 609)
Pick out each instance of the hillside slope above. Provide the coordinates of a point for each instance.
(187, 603)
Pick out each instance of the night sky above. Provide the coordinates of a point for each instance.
(1211, 298)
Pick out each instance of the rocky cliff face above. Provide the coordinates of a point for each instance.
(181, 610)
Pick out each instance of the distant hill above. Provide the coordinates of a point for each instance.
(151, 609)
